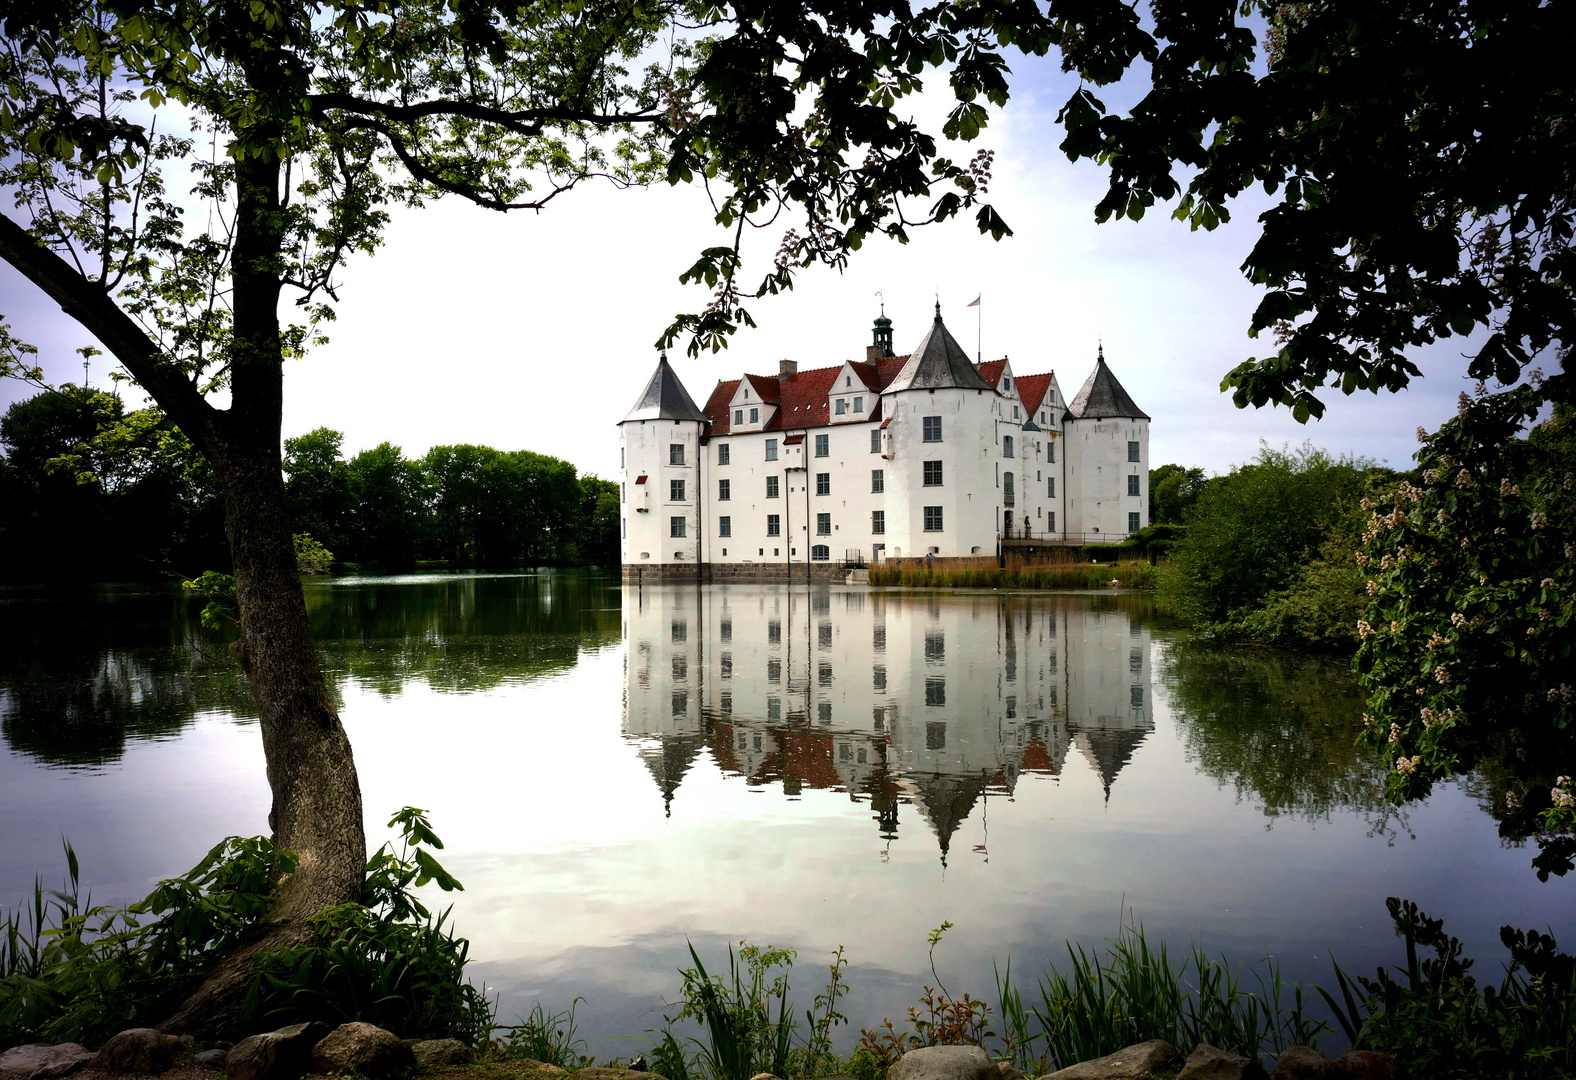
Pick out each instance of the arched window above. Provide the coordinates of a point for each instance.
(820, 553)
(1006, 446)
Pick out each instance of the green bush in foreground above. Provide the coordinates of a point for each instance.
(71, 971)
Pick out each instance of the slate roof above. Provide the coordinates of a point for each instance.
(664, 398)
(938, 361)
(1102, 396)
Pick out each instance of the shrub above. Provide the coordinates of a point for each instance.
(74, 972)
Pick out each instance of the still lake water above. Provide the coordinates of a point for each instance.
(618, 771)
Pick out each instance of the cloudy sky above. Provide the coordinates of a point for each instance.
(537, 331)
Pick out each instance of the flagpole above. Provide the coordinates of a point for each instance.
(979, 330)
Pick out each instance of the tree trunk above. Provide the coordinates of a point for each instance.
(316, 810)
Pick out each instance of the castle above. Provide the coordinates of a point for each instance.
(925, 456)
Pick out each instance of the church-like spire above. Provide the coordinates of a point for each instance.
(1103, 397)
(665, 397)
(938, 361)
(882, 335)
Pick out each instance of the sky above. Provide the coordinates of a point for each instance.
(537, 331)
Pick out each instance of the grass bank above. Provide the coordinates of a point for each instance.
(1130, 575)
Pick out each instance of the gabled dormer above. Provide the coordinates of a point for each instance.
(854, 394)
(1042, 400)
(754, 403)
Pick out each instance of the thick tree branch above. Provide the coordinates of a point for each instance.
(525, 122)
(91, 307)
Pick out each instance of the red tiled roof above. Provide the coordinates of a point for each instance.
(1032, 389)
(716, 409)
(766, 386)
(793, 440)
(991, 370)
(801, 398)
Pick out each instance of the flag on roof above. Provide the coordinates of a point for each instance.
(976, 302)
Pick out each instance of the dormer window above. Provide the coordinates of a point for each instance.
(738, 416)
(1006, 383)
(840, 410)
(755, 416)
(848, 380)
(859, 404)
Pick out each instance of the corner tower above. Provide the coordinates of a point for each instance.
(660, 490)
(1107, 459)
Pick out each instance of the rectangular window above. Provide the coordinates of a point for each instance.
(725, 526)
(1050, 451)
(675, 491)
(1132, 522)
(823, 711)
(722, 454)
(771, 449)
(878, 638)
(675, 453)
(1132, 451)
(774, 525)
(875, 441)
(676, 526)
(1132, 484)
(932, 426)
(823, 524)
(724, 490)
(859, 404)
(842, 406)
(771, 486)
(774, 632)
(877, 481)
(878, 681)
(774, 671)
(755, 416)
(878, 522)
(935, 646)
(727, 631)
(1015, 412)
(823, 483)
(738, 416)
(1006, 484)
(933, 519)
(1050, 520)
(935, 690)
(1050, 487)
(932, 474)
(823, 445)
(1006, 446)
(620, 457)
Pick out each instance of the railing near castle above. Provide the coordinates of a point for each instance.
(1018, 532)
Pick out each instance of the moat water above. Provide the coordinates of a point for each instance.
(617, 772)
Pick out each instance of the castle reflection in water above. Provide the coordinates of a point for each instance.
(902, 700)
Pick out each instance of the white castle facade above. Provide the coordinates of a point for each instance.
(927, 456)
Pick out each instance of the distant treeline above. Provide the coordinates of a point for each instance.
(89, 489)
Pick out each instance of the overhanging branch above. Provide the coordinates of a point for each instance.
(93, 309)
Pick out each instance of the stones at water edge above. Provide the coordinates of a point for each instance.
(137, 1050)
(597, 1072)
(439, 1052)
(1208, 1062)
(274, 1055)
(1302, 1063)
(1134, 1062)
(42, 1061)
(1366, 1065)
(363, 1048)
(944, 1063)
(212, 1059)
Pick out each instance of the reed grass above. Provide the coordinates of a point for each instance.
(1100, 1001)
(1080, 576)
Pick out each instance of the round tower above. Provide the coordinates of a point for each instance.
(661, 459)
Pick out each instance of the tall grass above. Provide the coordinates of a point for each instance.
(1131, 992)
(1081, 576)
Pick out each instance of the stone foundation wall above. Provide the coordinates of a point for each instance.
(772, 573)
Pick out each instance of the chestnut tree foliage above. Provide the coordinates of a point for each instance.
(1417, 155)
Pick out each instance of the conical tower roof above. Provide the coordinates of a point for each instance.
(1108, 749)
(1102, 396)
(944, 801)
(938, 361)
(665, 398)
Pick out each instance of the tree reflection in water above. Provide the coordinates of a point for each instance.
(1280, 728)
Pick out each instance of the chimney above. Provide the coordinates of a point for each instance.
(873, 353)
(786, 368)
